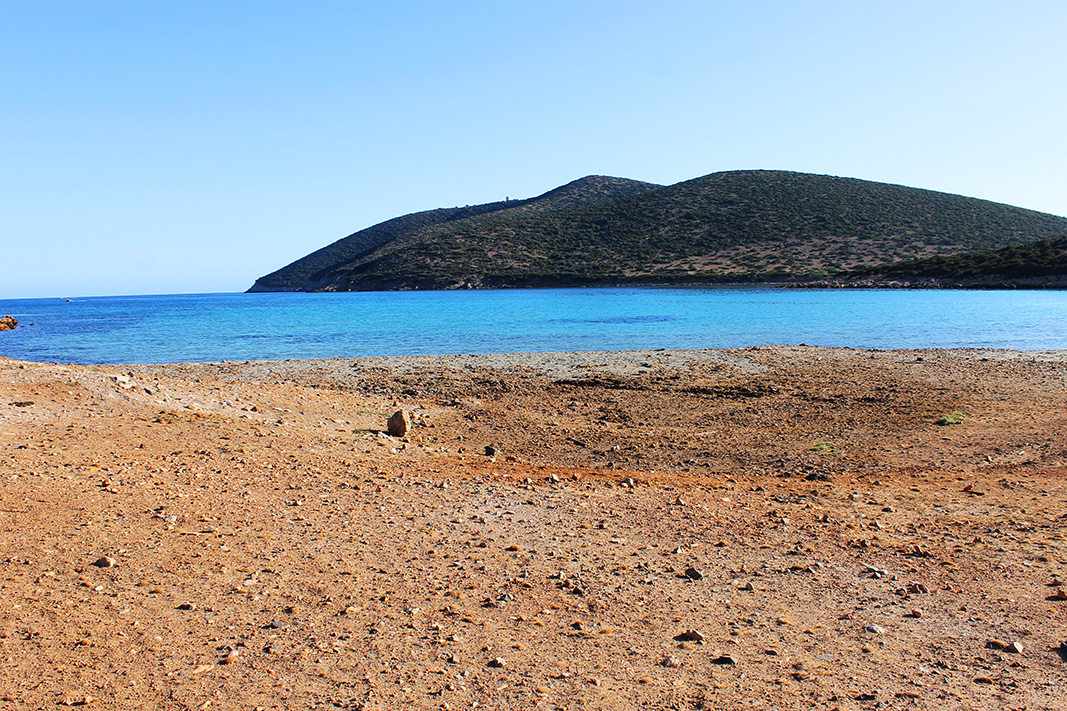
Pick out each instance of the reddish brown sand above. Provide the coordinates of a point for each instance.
(270, 548)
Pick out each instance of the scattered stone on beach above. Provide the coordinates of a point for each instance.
(71, 701)
(399, 424)
(875, 629)
(690, 636)
(725, 659)
(671, 662)
(123, 381)
(693, 574)
(995, 644)
(1014, 648)
(105, 562)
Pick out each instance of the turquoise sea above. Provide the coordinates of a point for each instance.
(215, 327)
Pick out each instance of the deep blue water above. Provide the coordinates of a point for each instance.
(214, 327)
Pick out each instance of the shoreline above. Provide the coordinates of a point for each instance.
(622, 362)
(991, 282)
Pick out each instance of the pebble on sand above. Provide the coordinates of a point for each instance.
(690, 636)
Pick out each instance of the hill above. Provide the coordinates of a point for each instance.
(738, 226)
(303, 273)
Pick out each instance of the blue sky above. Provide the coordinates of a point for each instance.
(167, 147)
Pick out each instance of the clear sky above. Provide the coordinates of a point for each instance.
(150, 146)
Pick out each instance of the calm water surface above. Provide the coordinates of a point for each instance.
(214, 327)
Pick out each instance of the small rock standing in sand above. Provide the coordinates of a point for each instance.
(399, 424)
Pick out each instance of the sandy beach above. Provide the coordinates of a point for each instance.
(759, 528)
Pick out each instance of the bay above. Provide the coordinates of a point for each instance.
(215, 327)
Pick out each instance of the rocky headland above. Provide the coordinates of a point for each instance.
(756, 226)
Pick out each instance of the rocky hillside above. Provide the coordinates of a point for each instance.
(305, 273)
(740, 226)
(1041, 264)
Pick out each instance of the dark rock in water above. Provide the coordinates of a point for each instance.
(399, 424)
(8, 323)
